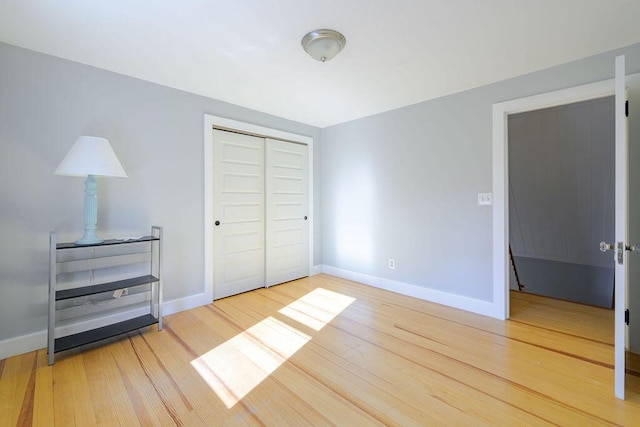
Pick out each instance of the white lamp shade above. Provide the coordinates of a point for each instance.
(91, 155)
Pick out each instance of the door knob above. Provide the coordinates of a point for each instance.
(604, 247)
(635, 248)
(305, 217)
(218, 223)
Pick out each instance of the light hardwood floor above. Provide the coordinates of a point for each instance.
(287, 356)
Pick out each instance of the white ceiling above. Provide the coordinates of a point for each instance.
(247, 52)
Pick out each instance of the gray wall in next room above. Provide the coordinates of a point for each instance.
(585, 284)
(561, 182)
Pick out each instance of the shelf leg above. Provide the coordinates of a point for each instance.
(52, 298)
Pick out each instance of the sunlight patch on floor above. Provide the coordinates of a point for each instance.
(237, 366)
(317, 308)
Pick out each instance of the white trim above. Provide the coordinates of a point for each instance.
(315, 270)
(23, 344)
(209, 122)
(501, 112)
(485, 308)
(186, 303)
(37, 340)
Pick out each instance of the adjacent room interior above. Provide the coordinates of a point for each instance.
(561, 201)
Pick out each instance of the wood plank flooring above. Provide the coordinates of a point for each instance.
(288, 356)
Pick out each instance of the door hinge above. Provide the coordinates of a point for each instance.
(626, 316)
(626, 108)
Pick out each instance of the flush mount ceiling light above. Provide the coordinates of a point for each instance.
(323, 45)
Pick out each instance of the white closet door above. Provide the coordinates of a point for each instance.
(238, 208)
(287, 211)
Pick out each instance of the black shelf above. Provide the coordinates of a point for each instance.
(87, 337)
(110, 242)
(143, 284)
(104, 287)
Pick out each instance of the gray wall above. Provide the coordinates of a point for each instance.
(403, 184)
(157, 133)
(586, 284)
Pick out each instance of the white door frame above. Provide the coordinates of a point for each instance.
(209, 122)
(501, 113)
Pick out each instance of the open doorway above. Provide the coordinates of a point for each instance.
(501, 112)
(561, 201)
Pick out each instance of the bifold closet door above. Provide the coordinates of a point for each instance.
(287, 205)
(238, 208)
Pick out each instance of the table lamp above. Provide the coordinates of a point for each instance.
(90, 157)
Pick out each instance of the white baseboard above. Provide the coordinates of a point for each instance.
(186, 303)
(315, 270)
(37, 340)
(485, 308)
(23, 344)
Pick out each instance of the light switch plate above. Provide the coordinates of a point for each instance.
(485, 199)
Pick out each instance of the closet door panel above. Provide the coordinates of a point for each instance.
(287, 205)
(238, 205)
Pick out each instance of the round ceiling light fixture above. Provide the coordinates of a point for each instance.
(323, 45)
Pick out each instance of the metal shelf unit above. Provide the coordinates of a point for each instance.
(87, 305)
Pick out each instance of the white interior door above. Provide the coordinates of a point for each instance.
(287, 210)
(238, 210)
(622, 242)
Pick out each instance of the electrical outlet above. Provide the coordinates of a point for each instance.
(392, 263)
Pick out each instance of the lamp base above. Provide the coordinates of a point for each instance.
(89, 240)
(90, 213)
